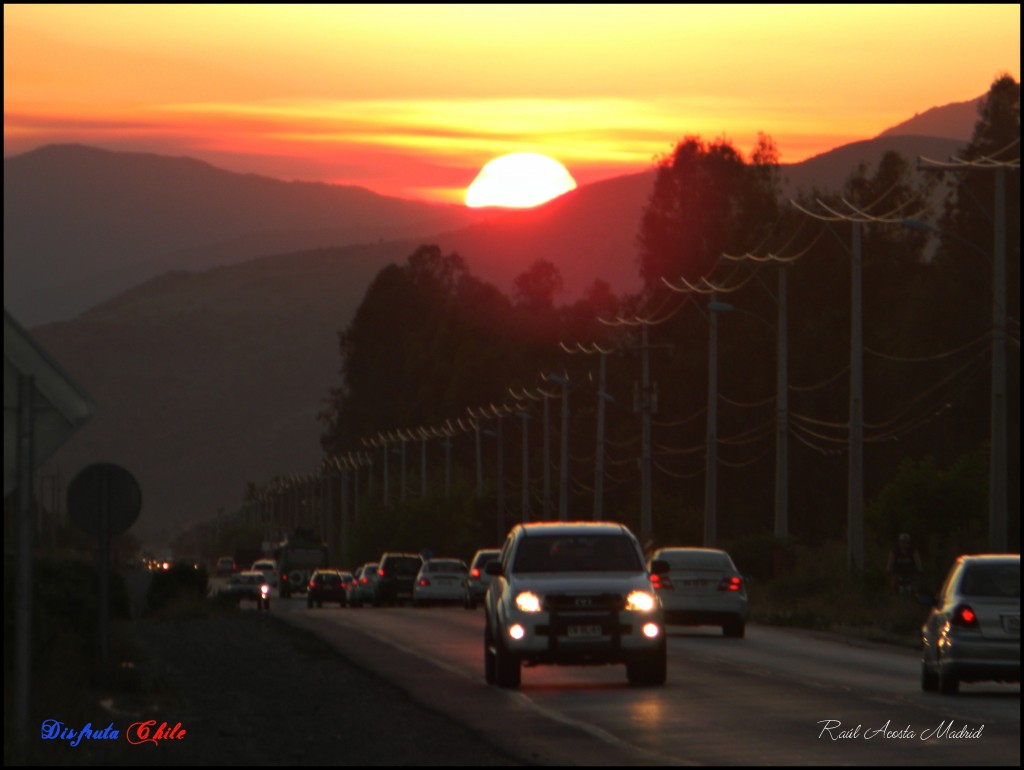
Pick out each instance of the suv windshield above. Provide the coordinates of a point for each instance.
(403, 566)
(577, 553)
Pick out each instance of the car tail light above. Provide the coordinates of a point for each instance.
(424, 582)
(731, 584)
(475, 573)
(965, 617)
(365, 580)
(664, 582)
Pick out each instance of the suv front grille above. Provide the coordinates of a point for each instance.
(584, 602)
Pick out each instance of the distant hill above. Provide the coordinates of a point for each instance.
(206, 379)
(951, 121)
(83, 224)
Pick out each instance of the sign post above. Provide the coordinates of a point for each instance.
(104, 500)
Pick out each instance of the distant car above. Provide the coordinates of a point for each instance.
(349, 580)
(972, 633)
(326, 585)
(396, 576)
(702, 588)
(226, 566)
(474, 587)
(573, 593)
(269, 569)
(439, 581)
(364, 588)
(249, 586)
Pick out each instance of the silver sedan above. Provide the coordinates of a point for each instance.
(702, 588)
(973, 631)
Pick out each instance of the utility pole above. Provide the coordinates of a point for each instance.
(711, 465)
(646, 514)
(998, 434)
(525, 500)
(547, 460)
(384, 446)
(402, 439)
(447, 444)
(499, 415)
(423, 463)
(855, 520)
(601, 397)
(563, 470)
(782, 414)
(599, 448)
(479, 461)
(855, 486)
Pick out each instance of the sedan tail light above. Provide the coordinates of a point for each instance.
(663, 582)
(965, 617)
(424, 582)
(731, 584)
(475, 573)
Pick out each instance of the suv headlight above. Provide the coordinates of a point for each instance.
(528, 601)
(640, 601)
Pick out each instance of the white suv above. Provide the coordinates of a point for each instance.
(573, 593)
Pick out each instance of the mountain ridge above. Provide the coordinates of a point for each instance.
(207, 380)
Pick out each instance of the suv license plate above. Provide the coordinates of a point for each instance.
(584, 632)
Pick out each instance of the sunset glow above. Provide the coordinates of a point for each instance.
(412, 101)
(519, 180)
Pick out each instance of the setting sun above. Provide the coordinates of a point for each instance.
(519, 180)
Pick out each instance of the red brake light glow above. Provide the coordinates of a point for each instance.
(476, 572)
(965, 617)
(731, 584)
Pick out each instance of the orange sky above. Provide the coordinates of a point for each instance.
(413, 100)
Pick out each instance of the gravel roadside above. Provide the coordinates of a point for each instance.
(251, 690)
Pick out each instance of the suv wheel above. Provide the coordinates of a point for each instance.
(734, 628)
(649, 668)
(948, 682)
(929, 679)
(489, 665)
(508, 671)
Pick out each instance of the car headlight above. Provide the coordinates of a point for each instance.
(528, 601)
(640, 601)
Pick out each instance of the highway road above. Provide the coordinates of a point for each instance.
(777, 697)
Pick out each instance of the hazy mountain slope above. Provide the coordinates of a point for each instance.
(82, 224)
(205, 381)
(588, 234)
(950, 121)
(830, 170)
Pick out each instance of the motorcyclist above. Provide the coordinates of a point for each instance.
(904, 565)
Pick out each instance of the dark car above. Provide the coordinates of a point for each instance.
(476, 582)
(396, 578)
(326, 585)
(364, 586)
(226, 566)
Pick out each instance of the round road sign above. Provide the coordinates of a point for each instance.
(104, 491)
